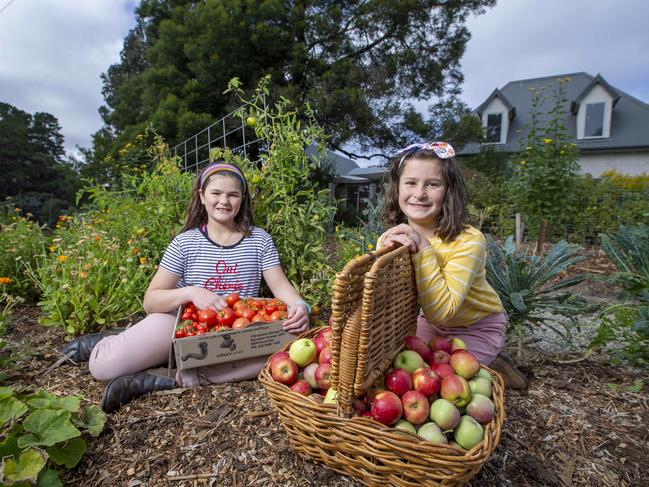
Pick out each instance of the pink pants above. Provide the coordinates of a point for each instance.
(484, 339)
(146, 345)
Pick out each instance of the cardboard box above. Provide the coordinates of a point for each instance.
(255, 340)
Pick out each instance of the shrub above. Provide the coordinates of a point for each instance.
(40, 432)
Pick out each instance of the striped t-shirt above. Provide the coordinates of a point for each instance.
(451, 283)
(201, 262)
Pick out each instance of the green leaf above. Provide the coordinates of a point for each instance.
(48, 427)
(69, 454)
(29, 464)
(93, 419)
(11, 408)
(6, 392)
(49, 478)
(9, 447)
(46, 400)
(636, 386)
(518, 302)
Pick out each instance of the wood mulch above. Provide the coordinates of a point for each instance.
(579, 425)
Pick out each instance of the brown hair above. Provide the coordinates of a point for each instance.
(196, 215)
(455, 215)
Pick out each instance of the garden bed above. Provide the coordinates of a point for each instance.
(579, 424)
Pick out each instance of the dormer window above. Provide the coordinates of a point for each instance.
(594, 124)
(494, 128)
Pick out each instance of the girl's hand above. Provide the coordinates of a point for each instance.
(203, 299)
(298, 319)
(404, 235)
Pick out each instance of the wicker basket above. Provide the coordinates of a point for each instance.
(374, 308)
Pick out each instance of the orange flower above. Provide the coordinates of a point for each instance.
(62, 258)
(83, 275)
(135, 250)
(6, 280)
(96, 237)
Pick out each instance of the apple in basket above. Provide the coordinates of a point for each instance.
(301, 387)
(276, 356)
(464, 364)
(404, 425)
(386, 408)
(320, 344)
(440, 357)
(309, 374)
(485, 375)
(325, 356)
(443, 370)
(398, 381)
(456, 390)
(431, 432)
(284, 371)
(426, 381)
(327, 334)
(415, 407)
(323, 376)
(360, 407)
(480, 408)
(457, 344)
(440, 343)
(468, 433)
(302, 351)
(444, 414)
(331, 396)
(408, 360)
(480, 385)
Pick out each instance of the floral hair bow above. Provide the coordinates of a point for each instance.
(443, 150)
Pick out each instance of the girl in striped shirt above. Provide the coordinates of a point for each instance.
(218, 251)
(426, 210)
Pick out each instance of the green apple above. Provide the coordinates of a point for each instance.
(404, 425)
(302, 351)
(444, 413)
(468, 433)
(331, 396)
(431, 432)
(408, 360)
(480, 385)
(485, 375)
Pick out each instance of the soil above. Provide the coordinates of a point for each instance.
(580, 424)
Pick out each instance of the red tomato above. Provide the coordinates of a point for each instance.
(181, 333)
(231, 299)
(194, 316)
(186, 316)
(278, 315)
(255, 304)
(208, 315)
(190, 333)
(240, 323)
(248, 313)
(202, 326)
(270, 308)
(259, 317)
(239, 305)
(226, 317)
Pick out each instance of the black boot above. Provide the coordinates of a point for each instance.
(81, 347)
(124, 389)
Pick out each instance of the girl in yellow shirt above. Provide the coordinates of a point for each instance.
(426, 210)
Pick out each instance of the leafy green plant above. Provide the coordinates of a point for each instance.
(101, 261)
(21, 242)
(626, 325)
(287, 201)
(529, 285)
(42, 432)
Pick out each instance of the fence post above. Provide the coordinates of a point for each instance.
(519, 231)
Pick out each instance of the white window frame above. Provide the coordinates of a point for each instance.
(596, 95)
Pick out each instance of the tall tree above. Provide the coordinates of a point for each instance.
(359, 63)
(34, 172)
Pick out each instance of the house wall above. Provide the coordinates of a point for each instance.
(497, 106)
(631, 164)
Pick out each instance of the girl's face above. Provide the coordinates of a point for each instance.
(222, 198)
(422, 189)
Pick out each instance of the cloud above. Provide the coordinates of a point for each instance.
(53, 53)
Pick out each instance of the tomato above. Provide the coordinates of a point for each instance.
(240, 323)
(248, 313)
(181, 333)
(259, 317)
(231, 299)
(278, 315)
(270, 308)
(226, 317)
(202, 326)
(208, 316)
(239, 305)
(190, 333)
(255, 304)
(281, 306)
(186, 316)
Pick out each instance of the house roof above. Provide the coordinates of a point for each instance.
(346, 170)
(511, 109)
(629, 121)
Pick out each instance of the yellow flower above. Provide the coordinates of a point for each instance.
(140, 231)
(142, 260)
(62, 258)
(16, 209)
(83, 275)
(547, 141)
(6, 280)
(370, 246)
(523, 163)
(52, 248)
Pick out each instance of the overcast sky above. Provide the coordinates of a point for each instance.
(52, 52)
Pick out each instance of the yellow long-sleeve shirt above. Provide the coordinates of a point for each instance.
(451, 283)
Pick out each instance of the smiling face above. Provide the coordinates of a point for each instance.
(222, 198)
(422, 189)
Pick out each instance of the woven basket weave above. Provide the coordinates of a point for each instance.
(374, 308)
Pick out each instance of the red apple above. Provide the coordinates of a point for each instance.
(443, 370)
(415, 407)
(464, 364)
(320, 344)
(426, 381)
(480, 408)
(456, 390)
(359, 407)
(284, 371)
(398, 381)
(367, 414)
(416, 344)
(370, 394)
(440, 343)
(386, 407)
(323, 376)
(325, 356)
(301, 387)
(276, 356)
(326, 334)
(440, 357)
(309, 374)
